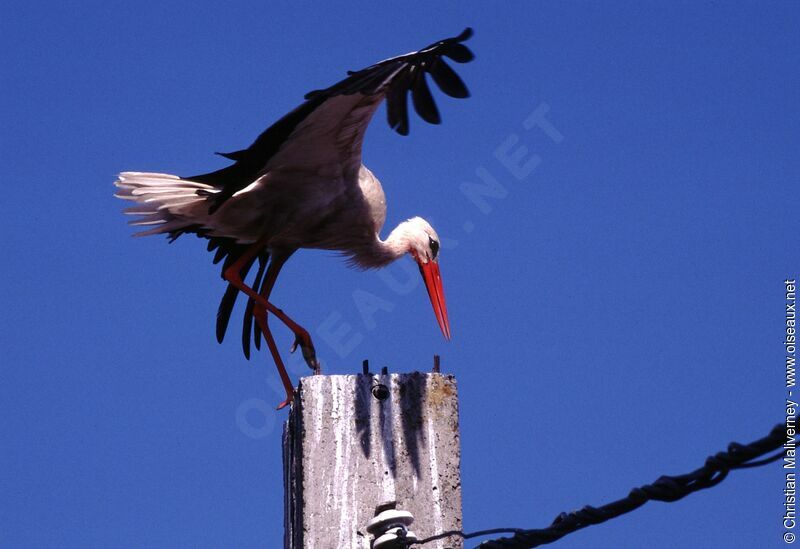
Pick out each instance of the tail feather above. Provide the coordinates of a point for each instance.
(164, 201)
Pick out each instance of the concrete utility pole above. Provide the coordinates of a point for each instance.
(353, 442)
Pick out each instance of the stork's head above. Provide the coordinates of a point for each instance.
(423, 245)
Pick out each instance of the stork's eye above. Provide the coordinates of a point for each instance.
(434, 247)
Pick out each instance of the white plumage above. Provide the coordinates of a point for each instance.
(164, 200)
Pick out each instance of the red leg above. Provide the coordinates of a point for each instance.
(233, 275)
(276, 262)
(261, 317)
(301, 335)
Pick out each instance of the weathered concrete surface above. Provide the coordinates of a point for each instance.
(345, 452)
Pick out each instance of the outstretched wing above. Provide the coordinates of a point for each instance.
(326, 132)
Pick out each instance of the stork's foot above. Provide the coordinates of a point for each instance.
(303, 340)
(285, 403)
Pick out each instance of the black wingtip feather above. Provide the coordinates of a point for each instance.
(466, 34)
(397, 109)
(247, 326)
(447, 79)
(423, 100)
(235, 155)
(224, 312)
(459, 53)
(247, 321)
(219, 255)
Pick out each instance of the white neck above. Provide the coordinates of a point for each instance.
(382, 252)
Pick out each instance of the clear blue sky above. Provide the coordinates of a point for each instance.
(616, 308)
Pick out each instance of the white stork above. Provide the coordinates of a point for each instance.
(301, 184)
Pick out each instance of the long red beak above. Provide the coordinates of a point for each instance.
(433, 282)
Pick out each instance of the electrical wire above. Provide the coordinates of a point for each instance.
(665, 488)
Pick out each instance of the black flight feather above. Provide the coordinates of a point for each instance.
(247, 321)
(447, 79)
(423, 100)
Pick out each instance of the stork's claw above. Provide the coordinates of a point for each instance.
(303, 340)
